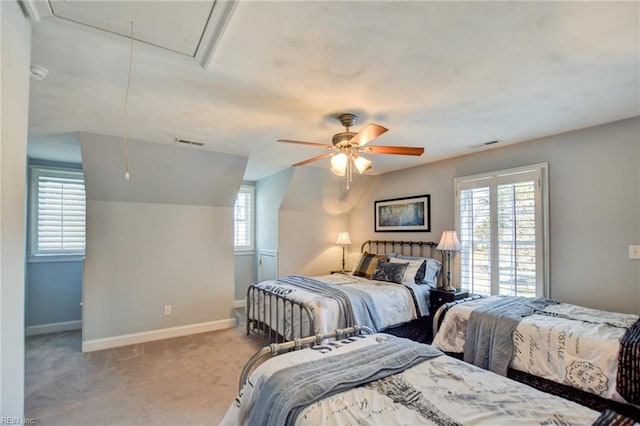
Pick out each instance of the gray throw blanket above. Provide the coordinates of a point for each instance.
(289, 390)
(489, 338)
(356, 306)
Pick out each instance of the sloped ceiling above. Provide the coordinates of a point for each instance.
(447, 76)
(159, 174)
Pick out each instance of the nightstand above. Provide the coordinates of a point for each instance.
(438, 297)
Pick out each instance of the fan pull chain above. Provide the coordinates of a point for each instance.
(125, 119)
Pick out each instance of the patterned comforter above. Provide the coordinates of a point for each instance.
(564, 343)
(380, 304)
(439, 390)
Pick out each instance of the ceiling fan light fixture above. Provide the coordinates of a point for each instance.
(338, 172)
(362, 164)
(339, 164)
(347, 147)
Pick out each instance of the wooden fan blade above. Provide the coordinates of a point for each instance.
(395, 150)
(305, 143)
(368, 134)
(316, 158)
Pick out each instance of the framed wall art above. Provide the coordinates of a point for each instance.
(407, 214)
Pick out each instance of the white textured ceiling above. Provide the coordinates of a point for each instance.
(447, 76)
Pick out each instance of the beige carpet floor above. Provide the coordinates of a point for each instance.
(183, 381)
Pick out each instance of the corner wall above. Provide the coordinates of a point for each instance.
(15, 51)
(270, 192)
(594, 207)
(163, 238)
(313, 212)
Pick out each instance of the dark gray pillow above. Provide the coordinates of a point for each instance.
(391, 272)
(432, 268)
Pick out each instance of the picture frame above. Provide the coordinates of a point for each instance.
(406, 214)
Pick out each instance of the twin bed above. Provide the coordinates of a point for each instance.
(588, 355)
(381, 379)
(291, 307)
(560, 348)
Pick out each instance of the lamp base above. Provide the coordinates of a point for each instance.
(447, 285)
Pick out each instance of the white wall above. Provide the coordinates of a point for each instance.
(594, 207)
(15, 34)
(163, 238)
(143, 256)
(312, 214)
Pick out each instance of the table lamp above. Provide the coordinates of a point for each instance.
(449, 243)
(343, 240)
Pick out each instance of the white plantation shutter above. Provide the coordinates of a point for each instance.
(475, 238)
(517, 239)
(58, 212)
(243, 218)
(501, 218)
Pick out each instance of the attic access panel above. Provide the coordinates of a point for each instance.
(176, 26)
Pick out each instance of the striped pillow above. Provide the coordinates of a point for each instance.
(367, 264)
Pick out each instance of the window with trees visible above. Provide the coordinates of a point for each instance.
(501, 218)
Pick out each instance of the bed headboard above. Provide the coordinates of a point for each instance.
(410, 248)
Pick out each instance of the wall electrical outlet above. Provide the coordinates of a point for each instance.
(634, 252)
(167, 309)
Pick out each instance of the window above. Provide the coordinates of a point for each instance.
(57, 211)
(243, 215)
(502, 221)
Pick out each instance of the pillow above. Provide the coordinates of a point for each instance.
(421, 273)
(391, 272)
(415, 270)
(432, 268)
(367, 264)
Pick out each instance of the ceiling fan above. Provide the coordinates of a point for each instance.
(347, 148)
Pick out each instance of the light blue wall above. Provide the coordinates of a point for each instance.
(54, 292)
(53, 289)
(269, 194)
(245, 274)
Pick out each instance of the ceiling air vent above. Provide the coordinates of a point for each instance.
(186, 142)
(483, 144)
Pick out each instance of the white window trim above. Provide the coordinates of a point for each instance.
(246, 251)
(543, 197)
(55, 258)
(32, 256)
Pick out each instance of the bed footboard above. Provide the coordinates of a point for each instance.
(275, 317)
(294, 344)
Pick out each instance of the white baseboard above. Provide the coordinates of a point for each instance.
(149, 336)
(53, 327)
(239, 303)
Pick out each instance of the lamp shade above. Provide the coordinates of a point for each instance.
(449, 241)
(343, 239)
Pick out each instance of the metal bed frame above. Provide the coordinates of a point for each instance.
(278, 348)
(272, 309)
